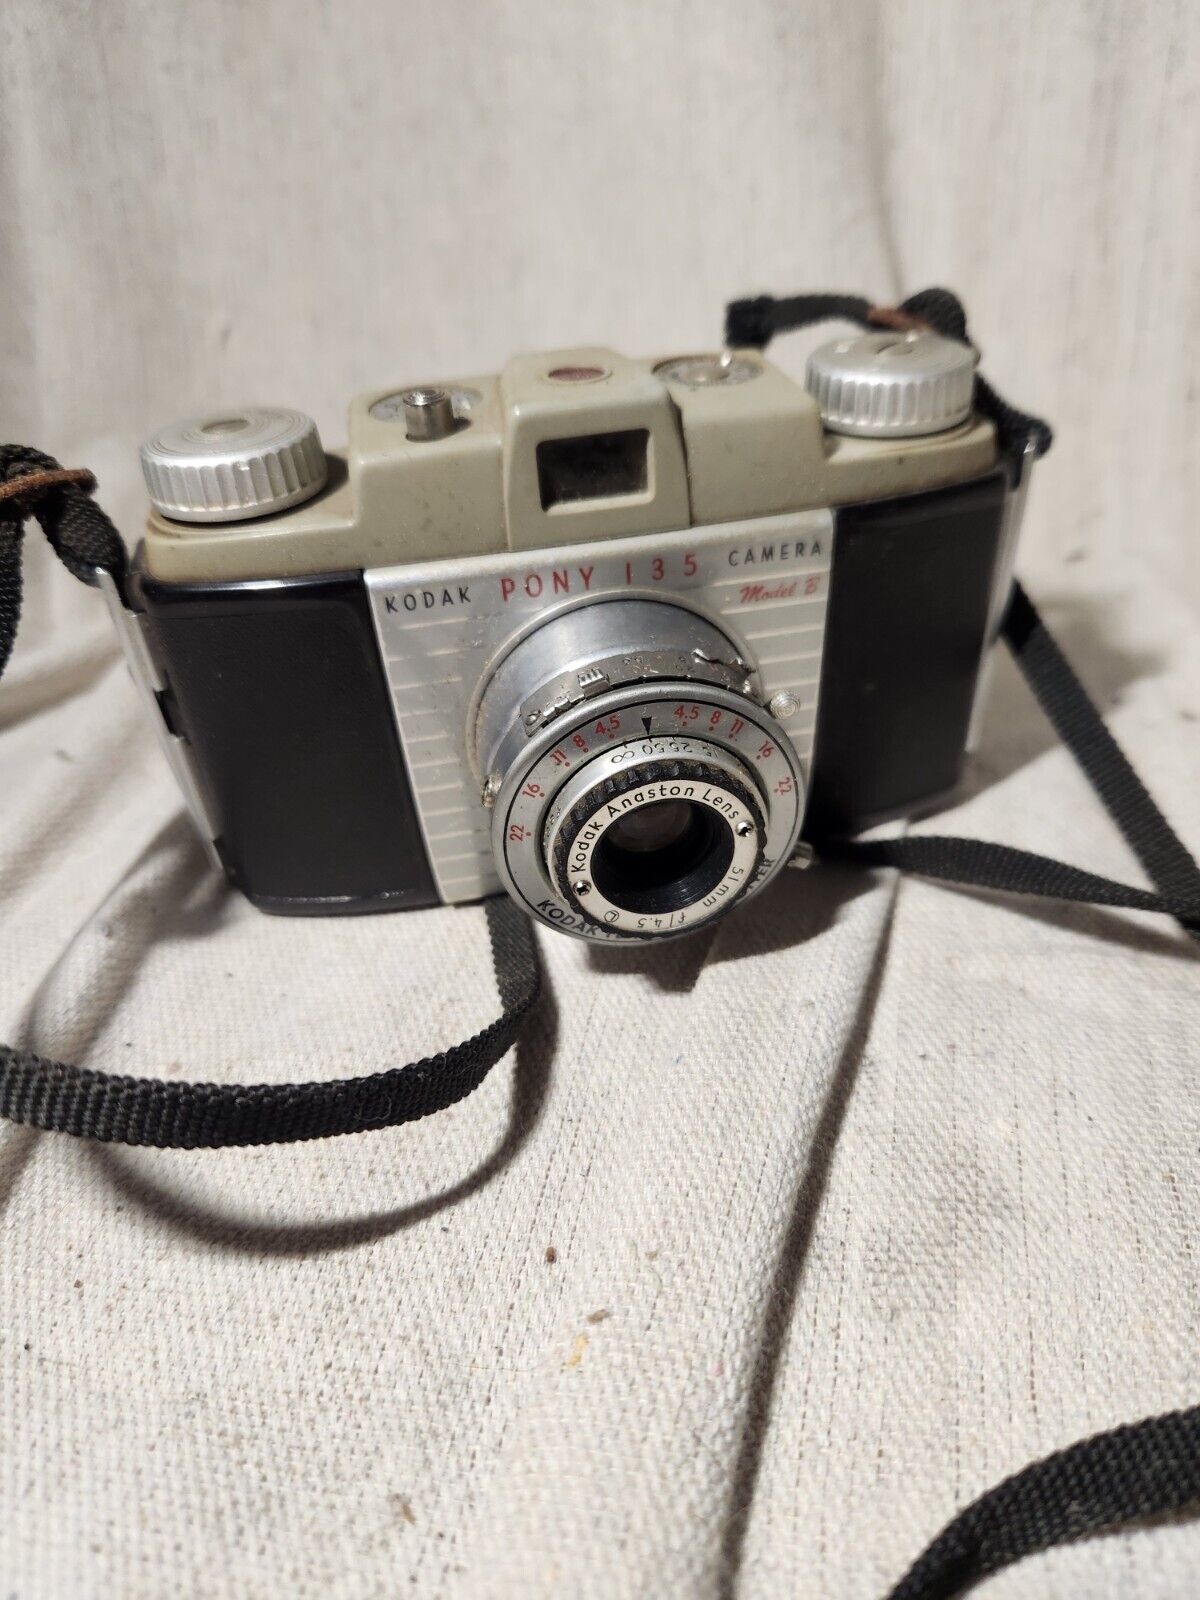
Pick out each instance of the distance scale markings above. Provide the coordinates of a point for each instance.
(662, 728)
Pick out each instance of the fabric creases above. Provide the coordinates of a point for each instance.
(736, 1278)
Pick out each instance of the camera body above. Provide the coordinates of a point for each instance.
(610, 635)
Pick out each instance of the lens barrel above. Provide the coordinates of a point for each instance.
(640, 787)
(712, 858)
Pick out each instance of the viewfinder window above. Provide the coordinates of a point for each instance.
(593, 466)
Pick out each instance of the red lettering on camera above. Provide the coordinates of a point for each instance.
(535, 584)
(557, 580)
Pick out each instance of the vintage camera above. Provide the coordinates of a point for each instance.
(609, 635)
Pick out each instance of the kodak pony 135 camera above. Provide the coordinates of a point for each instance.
(608, 635)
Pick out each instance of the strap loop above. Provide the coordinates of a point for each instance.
(753, 323)
(83, 537)
(34, 484)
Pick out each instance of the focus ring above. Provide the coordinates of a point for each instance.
(610, 789)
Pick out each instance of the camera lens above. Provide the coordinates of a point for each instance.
(657, 845)
(654, 829)
(662, 858)
(639, 789)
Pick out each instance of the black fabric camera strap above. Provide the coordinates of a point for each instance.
(979, 864)
(1143, 1469)
(154, 1111)
(1133, 1472)
(754, 323)
(1168, 863)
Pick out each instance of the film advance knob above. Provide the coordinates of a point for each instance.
(230, 465)
(892, 385)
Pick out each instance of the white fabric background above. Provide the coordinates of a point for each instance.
(882, 1190)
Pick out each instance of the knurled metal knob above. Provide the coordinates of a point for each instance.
(892, 385)
(230, 465)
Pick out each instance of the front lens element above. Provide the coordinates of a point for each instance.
(646, 846)
(655, 827)
(663, 858)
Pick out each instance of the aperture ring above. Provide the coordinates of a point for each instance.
(564, 764)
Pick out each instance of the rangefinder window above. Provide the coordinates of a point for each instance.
(593, 466)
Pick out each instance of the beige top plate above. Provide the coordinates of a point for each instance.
(513, 474)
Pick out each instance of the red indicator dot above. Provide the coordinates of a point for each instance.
(577, 374)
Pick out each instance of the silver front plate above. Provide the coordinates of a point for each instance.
(443, 625)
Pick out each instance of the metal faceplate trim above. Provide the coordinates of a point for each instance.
(149, 685)
(441, 625)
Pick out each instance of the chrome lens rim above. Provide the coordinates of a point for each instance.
(729, 845)
(529, 802)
